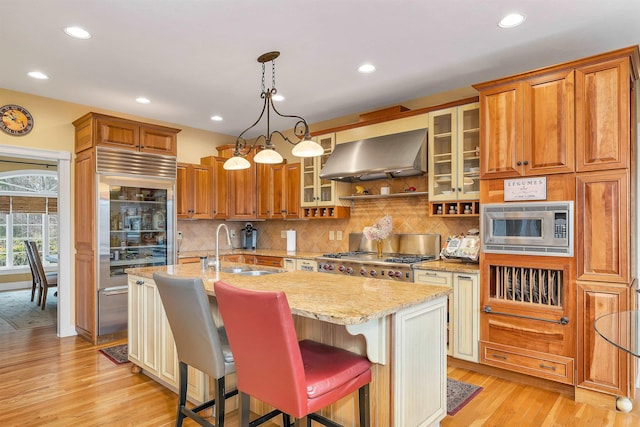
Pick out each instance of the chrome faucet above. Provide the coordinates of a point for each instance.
(217, 264)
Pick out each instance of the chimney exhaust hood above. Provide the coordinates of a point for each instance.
(390, 156)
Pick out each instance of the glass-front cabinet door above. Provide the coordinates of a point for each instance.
(442, 158)
(469, 152)
(135, 227)
(454, 153)
(316, 191)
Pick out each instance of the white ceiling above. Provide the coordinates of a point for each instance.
(197, 58)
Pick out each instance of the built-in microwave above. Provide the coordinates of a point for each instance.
(528, 228)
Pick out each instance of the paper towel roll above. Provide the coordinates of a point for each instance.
(291, 240)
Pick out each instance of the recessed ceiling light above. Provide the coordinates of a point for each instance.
(77, 32)
(511, 20)
(366, 68)
(278, 98)
(38, 75)
(216, 118)
(142, 100)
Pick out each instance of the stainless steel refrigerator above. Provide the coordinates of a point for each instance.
(136, 229)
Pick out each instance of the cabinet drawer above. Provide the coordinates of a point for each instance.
(188, 260)
(541, 365)
(268, 261)
(430, 277)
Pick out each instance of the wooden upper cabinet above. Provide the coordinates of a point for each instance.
(602, 228)
(501, 131)
(528, 126)
(194, 191)
(549, 124)
(94, 129)
(242, 192)
(278, 191)
(603, 102)
(220, 186)
(291, 203)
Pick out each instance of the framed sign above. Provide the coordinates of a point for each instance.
(534, 188)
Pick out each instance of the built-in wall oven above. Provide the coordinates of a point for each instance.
(534, 228)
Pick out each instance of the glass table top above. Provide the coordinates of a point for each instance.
(621, 330)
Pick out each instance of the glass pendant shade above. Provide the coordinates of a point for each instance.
(307, 148)
(270, 156)
(236, 163)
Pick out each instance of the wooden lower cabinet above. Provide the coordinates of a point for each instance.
(270, 261)
(151, 344)
(527, 317)
(601, 366)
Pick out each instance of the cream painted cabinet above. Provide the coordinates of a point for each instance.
(316, 191)
(454, 153)
(463, 324)
(466, 326)
(143, 329)
(151, 344)
(440, 278)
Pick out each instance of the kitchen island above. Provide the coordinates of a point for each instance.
(400, 327)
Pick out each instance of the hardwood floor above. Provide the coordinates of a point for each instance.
(50, 381)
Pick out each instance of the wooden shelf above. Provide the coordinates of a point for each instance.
(325, 212)
(385, 196)
(455, 208)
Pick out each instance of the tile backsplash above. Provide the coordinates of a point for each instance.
(409, 215)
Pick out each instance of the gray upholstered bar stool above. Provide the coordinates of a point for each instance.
(199, 342)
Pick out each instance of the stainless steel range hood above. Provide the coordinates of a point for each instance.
(389, 156)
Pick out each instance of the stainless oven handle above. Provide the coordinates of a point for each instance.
(562, 321)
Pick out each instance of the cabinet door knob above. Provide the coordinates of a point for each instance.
(519, 163)
(139, 282)
(526, 162)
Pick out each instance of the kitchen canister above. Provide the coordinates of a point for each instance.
(291, 240)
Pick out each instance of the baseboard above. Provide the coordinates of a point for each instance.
(595, 398)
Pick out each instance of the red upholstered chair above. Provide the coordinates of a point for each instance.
(297, 378)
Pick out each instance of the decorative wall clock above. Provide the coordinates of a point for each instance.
(16, 120)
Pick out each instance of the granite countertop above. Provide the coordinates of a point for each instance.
(264, 252)
(333, 298)
(453, 266)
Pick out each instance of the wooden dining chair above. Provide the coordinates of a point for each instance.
(45, 280)
(34, 275)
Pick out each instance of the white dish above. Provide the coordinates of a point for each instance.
(474, 169)
(446, 193)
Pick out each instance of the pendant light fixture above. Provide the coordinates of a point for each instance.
(268, 154)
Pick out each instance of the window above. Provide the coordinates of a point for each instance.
(28, 211)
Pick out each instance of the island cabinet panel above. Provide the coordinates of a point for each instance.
(602, 366)
(604, 98)
(528, 315)
(151, 345)
(602, 228)
(528, 126)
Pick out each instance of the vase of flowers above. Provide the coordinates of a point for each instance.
(378, 232)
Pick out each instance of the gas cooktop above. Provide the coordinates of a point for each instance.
(372, 257)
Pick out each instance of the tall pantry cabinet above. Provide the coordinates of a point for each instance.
(573, 123)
